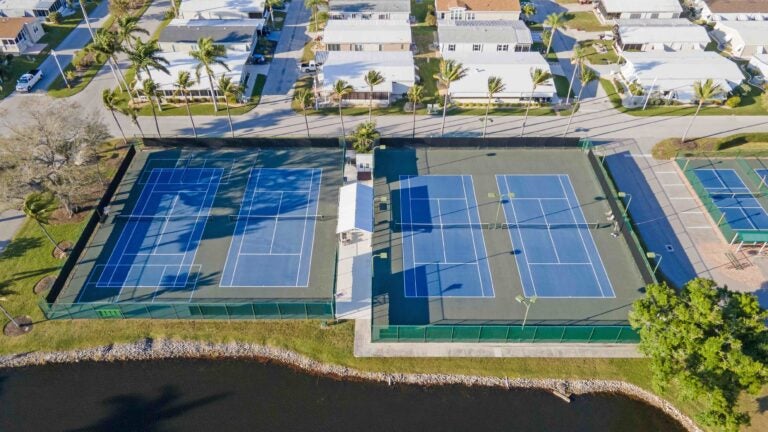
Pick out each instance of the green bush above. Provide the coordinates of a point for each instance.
(733, 101)
(430, 19)
(54, 18)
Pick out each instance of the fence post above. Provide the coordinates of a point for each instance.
(591, 334)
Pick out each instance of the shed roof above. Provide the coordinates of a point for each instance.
(484, 32)
(351, 66)
(222, 31)
(661, 32)
(513, 68)
(753, 33)
(355, 208)
(367, 31)
(370, 6)
(479, 5)
(642, 5)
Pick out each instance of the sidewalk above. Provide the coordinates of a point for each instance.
(10, 223)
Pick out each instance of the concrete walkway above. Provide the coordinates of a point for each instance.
(10, 223)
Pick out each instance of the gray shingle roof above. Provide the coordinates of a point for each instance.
(370, 6)
(220, 34)
(485, 32)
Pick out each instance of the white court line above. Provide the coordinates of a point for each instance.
(472, 234)
(520, 234)
(442, 232)
(245, 227)
(549, 232)
(274, 229)
(304, 230)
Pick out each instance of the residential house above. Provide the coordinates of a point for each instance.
(181, 61)
(514, 69)
(733, 10)
(610, 10)
(397, 67)
(743, 38)
(221, 9)
(477, 10)
(660, 35)
(30, 8)
(672, 75)
(395, 10)
(19, 34)
(361, 35)
(483, 37)
(759, 63)
(235, 34)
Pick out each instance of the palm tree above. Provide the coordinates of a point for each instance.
(207, 55)
(538, 77)
(554, 21)
(305, 98)
(128, 28)
(133, 114)
(415, 96)
(313, 5)
(183, 82)
(340, 89)
(495, 86)
(110, 102)
(228, 89)
(449, 72)
(528, 10)
(372, 78)
(150, 90)
(270, 5)
(586, 76)
(5, 68)
(105, 43)
(703, 92)
(145, 55)
(577, 60)
(38, 207)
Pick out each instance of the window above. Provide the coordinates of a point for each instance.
(635, 16)
(357, 47)
(451, 47)
(654, 16)
(477, 47)
(442, 15)
(334, 47)
(522, 48)
(469, 16)
(502, 47)
(384, 16)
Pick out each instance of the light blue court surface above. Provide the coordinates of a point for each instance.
(729, 193)
(553, 247)
(158, 249)
(275, 230)
(444, 251)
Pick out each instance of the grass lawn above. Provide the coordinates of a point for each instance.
(308, 54)
(751, 105)
(278, 20)
(428, 67)
(596, 58)
(585, 21)
(424, 37)
(746, 144)
(419, 10)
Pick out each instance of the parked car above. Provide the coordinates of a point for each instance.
(308, 67)
(256, 59)
(26, 82)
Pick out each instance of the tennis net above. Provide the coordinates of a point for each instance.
(133, 217)
(419, 226)
(236, 218)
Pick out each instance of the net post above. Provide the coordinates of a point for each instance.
(720, 221)
(733, 240)
(685, 165)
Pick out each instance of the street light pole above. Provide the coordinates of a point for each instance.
(527, 302)
(654, 256)
(510, 195)
(629, 201)
(85, 16)
(61, 71)
(7, 315)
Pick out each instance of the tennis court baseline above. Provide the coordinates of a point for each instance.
(553, 246)
(444, 252)
(742, 211)
(274, 234)
(158, 242)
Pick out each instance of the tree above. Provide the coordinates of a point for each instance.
(146, 55)
(529, 10)
(577, 60)
(305, 98)
(450, 71)
(128, 29)
(5, 68)
(340, 89)
(229, 89)
(270, 5)
(209, 54)
(133, 114)
(495, 86)
(119, 8)
(183, 82)
(364, 136)
(372, 78)
(586, 76)
(703, 92)
(430, 19)
(415, 96)
(150, 91)
(39, 207)
(554, 21)
(314, 5)
(538, 77)
(105, 43)
(110, 102)
(54, 17)
(711, 342)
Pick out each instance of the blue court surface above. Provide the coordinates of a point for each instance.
(159, 240)
(553, 246)
(444, 251)
(274, 234)
(729, 193)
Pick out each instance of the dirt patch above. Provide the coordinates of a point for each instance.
(44, 284)
(24, 326)
(62, 250)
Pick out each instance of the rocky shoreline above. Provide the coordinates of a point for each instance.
(149, 349)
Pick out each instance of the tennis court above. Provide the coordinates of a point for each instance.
(741, 209)
(551, 238)
(274, 234)
(443, 247)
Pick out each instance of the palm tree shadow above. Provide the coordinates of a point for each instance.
(135, 412)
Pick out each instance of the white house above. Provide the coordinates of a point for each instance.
(732, 10)
(759, 64)
(514, 69)
(396, 10)
(181, 61)
(221, 9)
(609, 10)
(743, 37)
(30, 8)
(235, 34)
(483, 37)
(479, 10)
(397, 67)
(660, 35)
(672, 74)
(19, 34)
(363, 35)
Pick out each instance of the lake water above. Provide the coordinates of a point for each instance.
(203, 395)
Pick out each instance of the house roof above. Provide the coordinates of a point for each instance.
(479, 5)
(367, 31)
(215, 5)
(26, 4)
(11, 27)
(679, 70)
(355, 208)
(222, 31)
(642, 5)
(661, 32)
(351, 66)
(753, 33)
(181, 61)
(513, 68)
(484, 32)
(737, 6)
(370, 6)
